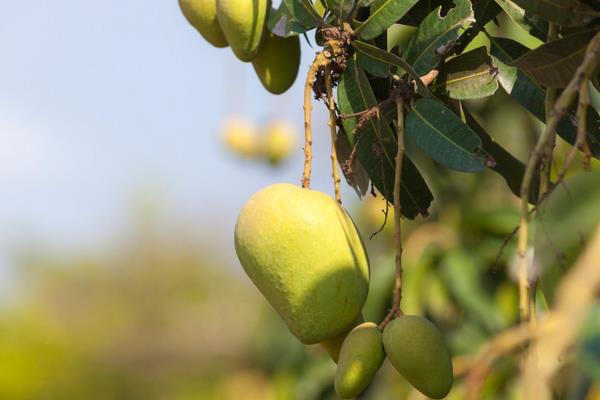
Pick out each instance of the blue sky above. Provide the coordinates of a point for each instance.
(101, 101)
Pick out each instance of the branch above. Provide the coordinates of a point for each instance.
(332, 126)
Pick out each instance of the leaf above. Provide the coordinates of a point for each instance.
(531, 95)
(355, 173)
(561, 12)
(588, 352)
(566, 218)
(422, 9)
(554, 64)
(384, 13)
(376, 145)
(436, 31)
(525, 20)
(380, 55)
(340, 7)
(293, 18)
(441, 134)
(505, 164)
(468, 76)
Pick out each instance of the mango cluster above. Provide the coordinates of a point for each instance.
(272, 143)
(303, 252)
(242, 25)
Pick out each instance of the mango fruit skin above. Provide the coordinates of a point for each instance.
(202, 15)
(244, 25)
(360, 358)
(303, 252)
(416, 348)
(277, 63)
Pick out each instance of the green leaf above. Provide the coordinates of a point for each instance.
(340, 8)
(382, 56)
(434, 32)
(468, 76)
(561, 12)
(293, 18)
(376, 145)
(384, 13)
(566, 218)
(554, 64)
(441, 134)
(505, 164)
(422, 9)
(528, 22)
(531, 95)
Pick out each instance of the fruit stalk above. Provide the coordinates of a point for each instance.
(332, 126)
(396, 311)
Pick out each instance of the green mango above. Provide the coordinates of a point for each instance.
(202, 15)
(360, 358)
(277, 63)
(303, 252)
(244, 23)
(334, 345)
(416, 348)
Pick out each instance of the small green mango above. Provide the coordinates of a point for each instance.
(244, 25)
(303, 252)
(277, 63)
(360, 358)
(416, 348)
(334, 345)
(202, 15)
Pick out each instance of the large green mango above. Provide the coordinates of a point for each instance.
(416, 348)
(277, 63)
(303, 252)
(202, 15)
(360, 358)
(244, 23)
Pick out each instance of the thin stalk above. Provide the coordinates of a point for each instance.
(332, 127)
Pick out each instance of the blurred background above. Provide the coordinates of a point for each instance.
(121, 183)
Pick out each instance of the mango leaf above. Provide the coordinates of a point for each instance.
(436, 32)
(468, 76)
(293, 18)
(484, 11)
(372, 65)
(530, 23)
(563, 222)
(442, 135)
(382, 56)
(422, 9)
(505, 164)
(340, 8)
(384, 13)
(353, 171)
(554, 64)
(376, 145)
(531, 95)
(561, 12)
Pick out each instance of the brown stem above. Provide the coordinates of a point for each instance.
(396, 311)
(589, 64)
(332, 126)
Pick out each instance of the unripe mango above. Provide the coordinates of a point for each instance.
(277, 63)
(360, 358)
(278, 141)
(303, 252)
(202, 15)
(244, 25)
(416, 348)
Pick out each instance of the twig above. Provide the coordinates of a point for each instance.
(332, 126)
(580, 142)
(320, 61)
(395, 311)
(589, 64)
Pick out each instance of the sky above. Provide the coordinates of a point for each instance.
(103, 101)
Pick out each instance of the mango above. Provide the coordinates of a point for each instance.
(278, 141)
(244, 25)
(241, 137)
(303, 252)
(202, 15)
(360, 358)
(416, 348)
(277, 63)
